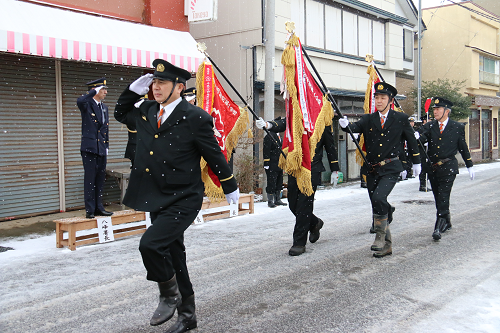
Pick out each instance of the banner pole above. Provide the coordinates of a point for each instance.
(336, 107)
(241, 97)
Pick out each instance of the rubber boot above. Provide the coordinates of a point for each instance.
(440, 223)
(186, 319)
(387, 249)
(389, 219)
(277, 199)
(447, 226)
(380, 224)
(270, 200)
(170, 299)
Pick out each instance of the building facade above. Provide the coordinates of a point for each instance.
(48, 51)
(462, 42)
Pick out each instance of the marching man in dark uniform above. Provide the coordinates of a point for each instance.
(301, 205)
(190, 95)
(94, 146)
(385, 132)
(172, 136)
(444, 137)
(271, 155)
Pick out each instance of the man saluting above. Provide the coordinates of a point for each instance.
(172, 136)
(385, 132)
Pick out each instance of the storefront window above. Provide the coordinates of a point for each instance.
(474, 130)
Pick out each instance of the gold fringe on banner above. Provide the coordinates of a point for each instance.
(293, 163)
(373, 76)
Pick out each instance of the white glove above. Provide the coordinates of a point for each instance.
(356, 136)
(141, 85)
(106, 151)
(233, 196)
(343, 122)
(417, 135)
(334, 178)
(261, 123)
(416, 168)
(403, 174)
(266, 167)
(471, 173)
(98, 89)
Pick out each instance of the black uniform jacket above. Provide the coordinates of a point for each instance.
(445, 145)
(95, 136)
(326, 141)
(386, 143)
(271, 151)
(166, 169)
(130, 119)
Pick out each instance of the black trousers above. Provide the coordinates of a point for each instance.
(379, 188)
(441, 188)
(162, 246)
(94, 167)
(274, 180)
(301, 206)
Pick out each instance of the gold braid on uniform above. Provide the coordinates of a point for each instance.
(293, 163)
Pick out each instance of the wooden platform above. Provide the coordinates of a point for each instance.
(121, 219)
(244, 199)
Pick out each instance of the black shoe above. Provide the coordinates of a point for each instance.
(270, 200)
(440, 223)
(297, 250)
(363, 185)
(99, 212)
(447, 225)
(89, 216)
(277, 199)
(422, 189)
(186, 319)
(314, 235)
(170, 299)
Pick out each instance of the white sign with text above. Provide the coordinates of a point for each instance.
(201, 10)
(105, 229)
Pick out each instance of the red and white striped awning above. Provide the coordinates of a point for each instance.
(32, 29)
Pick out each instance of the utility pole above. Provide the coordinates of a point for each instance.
(419, 60)
(269, 43)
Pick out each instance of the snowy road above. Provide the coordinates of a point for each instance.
(245, 281)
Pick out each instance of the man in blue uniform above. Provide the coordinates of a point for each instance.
(172, 136)
(94, 146)
(385, 132)
(444, 138)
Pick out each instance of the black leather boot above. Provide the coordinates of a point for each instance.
(314, 233)
(447, 225)
(440, 223)
(170, 299)
(270, 200)
(277, 199)
(186, 319)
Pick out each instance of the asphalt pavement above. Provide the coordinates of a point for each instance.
(245, 281)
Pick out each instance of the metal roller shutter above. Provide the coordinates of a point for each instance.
(28, 135)
(74, 76)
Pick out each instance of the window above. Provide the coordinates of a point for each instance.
(495, 133)
(474, 130)
(489, 71)
(407, 45)
(338, 29)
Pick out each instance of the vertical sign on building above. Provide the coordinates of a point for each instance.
(201, 10)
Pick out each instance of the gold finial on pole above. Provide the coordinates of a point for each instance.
(369, 58)
(290, 26)
(201, 47)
